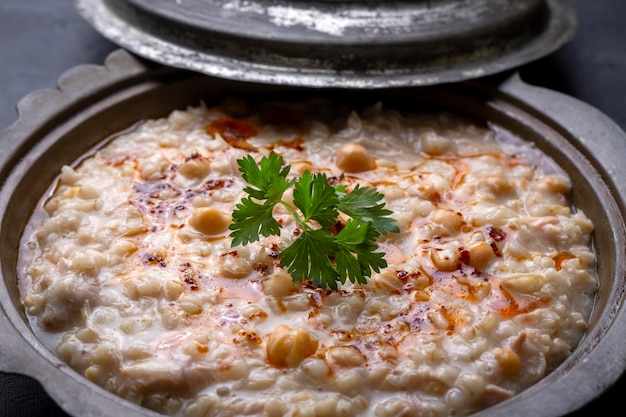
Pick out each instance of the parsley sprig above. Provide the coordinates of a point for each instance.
(317, 254)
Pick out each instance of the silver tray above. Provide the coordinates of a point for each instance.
(57, 126)
(356, 44)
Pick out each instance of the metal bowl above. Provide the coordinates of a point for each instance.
(337, 43)
(57, 126)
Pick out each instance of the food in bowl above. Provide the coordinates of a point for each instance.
(130, 274)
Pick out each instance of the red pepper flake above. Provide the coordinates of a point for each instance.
(218, 184)
(262, 268)
(273, 251)
(496, 234)
(188, 275)
(406, 275)
(251, 336)
(154, 259)
(334, 180)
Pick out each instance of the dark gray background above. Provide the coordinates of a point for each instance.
(40, 39)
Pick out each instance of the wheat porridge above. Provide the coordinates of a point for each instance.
(128, 267)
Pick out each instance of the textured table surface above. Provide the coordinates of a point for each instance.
(40, 39)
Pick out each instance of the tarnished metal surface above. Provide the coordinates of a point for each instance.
(356, 44)
(56, 126)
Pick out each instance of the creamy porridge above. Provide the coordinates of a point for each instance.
(129, 266)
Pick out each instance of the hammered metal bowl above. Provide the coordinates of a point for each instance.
(57, 126)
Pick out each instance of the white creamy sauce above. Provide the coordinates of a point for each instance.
(488, 287)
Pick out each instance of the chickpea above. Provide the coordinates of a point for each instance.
(194, 168)
(446, 222)
(287, 347)
(509, 361)
(209, 221)
(279, 284)
(353, 157)
(480, 253)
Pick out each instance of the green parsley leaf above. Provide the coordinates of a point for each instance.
(268, 179)
(356, 242)
(309, 258)
(268, 182)
(316, 199)
(363, 203)
(317, 254)
(250, 220)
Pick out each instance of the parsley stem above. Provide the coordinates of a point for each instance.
(295, 214)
